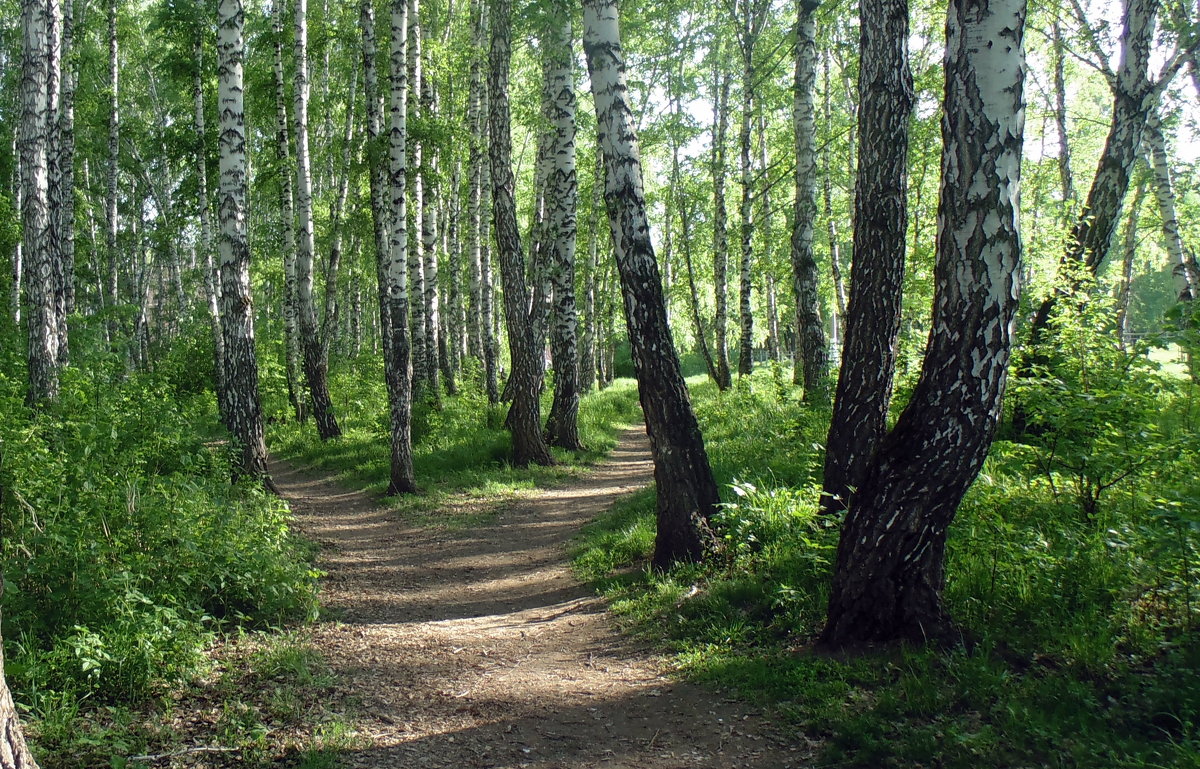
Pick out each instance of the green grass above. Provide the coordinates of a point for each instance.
(460, 451)
(1083, 647)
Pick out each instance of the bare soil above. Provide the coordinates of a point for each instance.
(479, 647)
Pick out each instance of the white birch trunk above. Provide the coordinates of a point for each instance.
(36, 218)
(416, 263)
(212, 278)
(394, 264)
(686, 492)
(811, 355)
(1186, 281)
(562, 197)
(525, 380)
(889, 572)
(237, 311)
(316, 363)
(475, 162)
(69, 64)
(111, 222)
(720, 231)
(287, 208)
(430, 303)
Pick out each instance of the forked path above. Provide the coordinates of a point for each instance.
(479, 648)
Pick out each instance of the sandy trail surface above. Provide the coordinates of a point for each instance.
(479, 648)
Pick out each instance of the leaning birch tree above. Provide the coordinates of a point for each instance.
(686, 492)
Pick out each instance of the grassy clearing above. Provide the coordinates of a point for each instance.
(460, 451)
(1080, 648)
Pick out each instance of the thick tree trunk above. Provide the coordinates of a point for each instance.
(524, 416)
(562, 425)
(316, 358)
(393, 263)
(888, 575)
(237, 310)
(37, 24)
(720, 230)
(864, 387)
(687, 493)
(812, 358)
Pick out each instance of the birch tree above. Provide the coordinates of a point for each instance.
(393, 264)
(562, 425)
(720, 218)
(316, 358)
(111, 222)
(287, 209)
(864, 386)
(212, 277)
(237, 310)
(888, 575)
(65, 151)
(811, 358)
(524, 416)
(1187, 282)
(14, 754)
(37, 24)
(686, 492)
(750, 17)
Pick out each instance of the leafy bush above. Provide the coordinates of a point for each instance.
(125, 546)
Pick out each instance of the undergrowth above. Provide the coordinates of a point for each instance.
(128, 553)
(1079, 621)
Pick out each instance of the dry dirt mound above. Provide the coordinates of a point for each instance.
(479, 648)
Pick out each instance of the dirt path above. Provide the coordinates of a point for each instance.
(479, 648)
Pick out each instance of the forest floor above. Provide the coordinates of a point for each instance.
(472, 647)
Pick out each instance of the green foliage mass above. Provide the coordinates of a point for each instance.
(125, 546)
(1078, 622)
